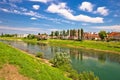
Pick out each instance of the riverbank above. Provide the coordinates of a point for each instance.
(110, 47)
(113, 47)
(26, 66)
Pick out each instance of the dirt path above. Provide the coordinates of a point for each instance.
(10, 72)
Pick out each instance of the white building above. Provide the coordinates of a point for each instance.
(22, 35)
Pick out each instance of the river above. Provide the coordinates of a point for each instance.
(104, 64)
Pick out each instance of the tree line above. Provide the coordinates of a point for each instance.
(68, 34)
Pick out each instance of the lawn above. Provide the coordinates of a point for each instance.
(29, 66)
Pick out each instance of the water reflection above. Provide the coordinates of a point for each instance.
(102, 63)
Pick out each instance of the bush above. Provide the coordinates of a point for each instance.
(87, 76)
(60, 59)
(40, 55)
(74, 75)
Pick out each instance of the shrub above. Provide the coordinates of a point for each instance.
(60, 59)
(40, 55)
(87, 76)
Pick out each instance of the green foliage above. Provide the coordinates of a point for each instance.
(64, 33)
(28, 65)
(56, 33)
(82, 34)
(8, 35)
(31, 36)
(73, 74)
(39, 54)
(52, 33)
(60, 59)
(102, 34)
(87, 76)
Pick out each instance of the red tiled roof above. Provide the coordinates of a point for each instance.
(114, 34)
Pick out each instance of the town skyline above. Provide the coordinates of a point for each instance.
(44, 16)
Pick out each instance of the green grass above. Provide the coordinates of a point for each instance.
(87, 44)
(29, 65)
(111, 46)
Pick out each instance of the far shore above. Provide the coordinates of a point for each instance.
(110, 47)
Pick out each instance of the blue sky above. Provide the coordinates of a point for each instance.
(34, 16)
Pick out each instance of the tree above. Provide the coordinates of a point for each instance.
(79, 34)
(38, 33)
(52, 34)
(63, 32)
(82, 34)
(56, 33)
(74, 31)
(102, 34)
(31, 36)
(67, 33)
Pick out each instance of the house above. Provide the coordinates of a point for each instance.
(91, 36)
(42, 37)
(22, 35)
(114, 35)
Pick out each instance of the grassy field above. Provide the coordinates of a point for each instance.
(87, 44)
(28, 65)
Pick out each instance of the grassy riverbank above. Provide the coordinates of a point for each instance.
(28, 65)
(87, 44)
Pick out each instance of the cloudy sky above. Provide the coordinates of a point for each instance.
(33, 16)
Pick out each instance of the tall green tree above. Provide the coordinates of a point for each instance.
(71, 32)
(82, 32)
(79, 34)
(57, 33)
(64, 32)
(74, 31)
(38, 33)
(67, 33)
(52, 34)
(102, 34)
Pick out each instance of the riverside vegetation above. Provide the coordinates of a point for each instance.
(28, 65)
(62, 61)
(86, 44)
(34, 68)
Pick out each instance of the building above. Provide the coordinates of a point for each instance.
(22, 35)
(42, 37)
(114, 36)
(91, 36)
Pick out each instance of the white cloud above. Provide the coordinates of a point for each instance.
(33, 18)
(84, 24)
(26, 29)
(42, 1)
(113, 27)
(20, 28)
(54, 29)
(22, 11)
(36, 7)
(14, 1)
(102, 10)
(63, 10)
(3, 9)
(86, 6)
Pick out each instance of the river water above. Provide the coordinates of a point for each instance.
(105, 65)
